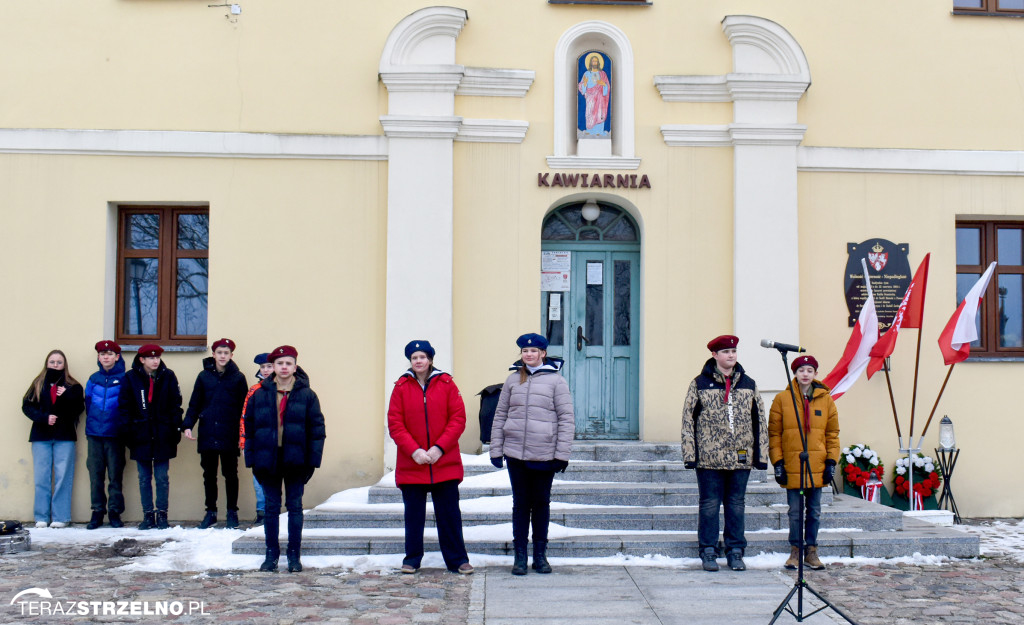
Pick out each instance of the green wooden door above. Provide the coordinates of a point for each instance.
(594, 325)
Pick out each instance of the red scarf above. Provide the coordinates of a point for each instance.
(150, 396)
(53, 394)
(807, 410)
(284, 403)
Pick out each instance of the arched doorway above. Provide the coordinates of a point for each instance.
(592, 316)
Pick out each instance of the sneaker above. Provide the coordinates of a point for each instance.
(209, 520)
(41, 525)
(709, 559)
(466, 569)
(408, 569)
(58, 524)
(259, 519)
(735, 560)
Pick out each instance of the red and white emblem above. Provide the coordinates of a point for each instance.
(877, 257)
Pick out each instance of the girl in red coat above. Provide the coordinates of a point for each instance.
(426, 416)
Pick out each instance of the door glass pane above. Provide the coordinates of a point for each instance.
(143, 232)
(621, 230)
(193, 232)
(964, 282)
(1008, 243)
(589, 234)
(193, 276)
(556, 230)
(140, 296)
(555, 328)
(594, 329)
(1011, 325)
(622, 309)
(968, 246)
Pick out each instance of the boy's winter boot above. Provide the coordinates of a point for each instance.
(270, 563)
(540, 561)
(519, 564)
(259, 519)
(161, 520)
(294, 563)
(794, 558)
(148, 521)
(115, 519)
(209, 519)
(232, 521)
(811, 558)
(735, 560)
(96, 520)
(709, 559)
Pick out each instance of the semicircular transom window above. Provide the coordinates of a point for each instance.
(567, 224)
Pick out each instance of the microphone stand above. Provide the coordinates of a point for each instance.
(805, 474)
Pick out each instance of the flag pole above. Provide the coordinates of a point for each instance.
(892, 400)
(937, 398)
(917, 364)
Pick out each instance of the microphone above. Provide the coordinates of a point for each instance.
(782, 347)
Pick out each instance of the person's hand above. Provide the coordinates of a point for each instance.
(780, 473)
(689, 465)
(309, 474)
(60, 390)
(188, 434)
(761, 466)
(434, 454)
(830, 472)
(559, 465)
(51, 419)
(420, 457)
(497, 462)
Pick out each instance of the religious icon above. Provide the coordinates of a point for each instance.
(594, 99)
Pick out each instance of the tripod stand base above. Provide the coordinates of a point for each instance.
(799, 614)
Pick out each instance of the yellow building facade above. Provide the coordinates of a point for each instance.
(380, 172)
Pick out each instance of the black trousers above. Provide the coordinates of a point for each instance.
(106, 464)
(531, 502)
(228, 461)
(447, 516)
(294, 485)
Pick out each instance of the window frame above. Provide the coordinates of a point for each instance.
(988, 252)
(989, 7)
(167, 255)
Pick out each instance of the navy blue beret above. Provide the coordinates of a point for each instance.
(532, 340)
(262, 359)
(419, 346)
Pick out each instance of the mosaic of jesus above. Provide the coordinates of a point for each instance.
(594, 100)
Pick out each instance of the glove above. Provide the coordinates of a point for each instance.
(780, 473)
(830, 472)
(559, 465)
(309, 474)
(496, 462)
(761, 466)
(689, 465)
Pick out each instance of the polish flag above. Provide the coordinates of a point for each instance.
(857, 353)
(907, 316)
(960, 331)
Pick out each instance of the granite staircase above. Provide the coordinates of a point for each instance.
(631, 498)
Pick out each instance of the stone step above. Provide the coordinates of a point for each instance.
(845, 512)
(916, 537)
(620, 451)
(671, 472)
(613, 493)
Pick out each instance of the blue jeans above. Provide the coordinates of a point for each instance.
(718, 487)
(147, 470)
(53, 463)
(261, 502)
(447, 517)
(812, 506)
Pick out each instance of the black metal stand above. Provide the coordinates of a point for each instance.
(947, 462)
(801, 583)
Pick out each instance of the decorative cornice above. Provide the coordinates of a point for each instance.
(486, 81)
(696, 136)
(492, 131)
(423, 78)
(761, 46)
(903, 161)
(420, 127)
(189, 144)
(732, 135)
(692, 88)
(403, 46)
(729, 88)
(592, 162)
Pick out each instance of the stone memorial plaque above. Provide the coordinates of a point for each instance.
(889, 271)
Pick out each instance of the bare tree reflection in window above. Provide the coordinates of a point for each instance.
(141, 297)
(192, 292)
(193, 231)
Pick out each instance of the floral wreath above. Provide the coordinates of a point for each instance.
(859, 463)
(927, 476)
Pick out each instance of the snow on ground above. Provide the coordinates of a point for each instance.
(999, 537)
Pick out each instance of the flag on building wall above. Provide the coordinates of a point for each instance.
(907, 316)
(857, 353)
(961, 330)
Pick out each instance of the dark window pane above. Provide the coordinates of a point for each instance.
(573, 215)
(141, 304)
(143, 232)
(622, 308)
(555, 328)
(607, 216)
(556, 230)
(621, 230)
(964, 282)
(968, 246)
(193, 276)
(1011, 5)
(1011, 324)
(594, 330)
(193, 232)
(1008, 242)
(589, 235)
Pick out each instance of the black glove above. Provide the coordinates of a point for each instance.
(780, 473)
(830, 472)
(559, 466)
(309, 474)
(761, 466)
(689, 465)
(496, 462)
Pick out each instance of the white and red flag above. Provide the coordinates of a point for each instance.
(961, 330)
(907, 316)
(857, 353)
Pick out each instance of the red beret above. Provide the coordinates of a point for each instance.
(803, 361)
(150, 350)
(223, 343)
(108, 346)
(726, 341)
(282, 352)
